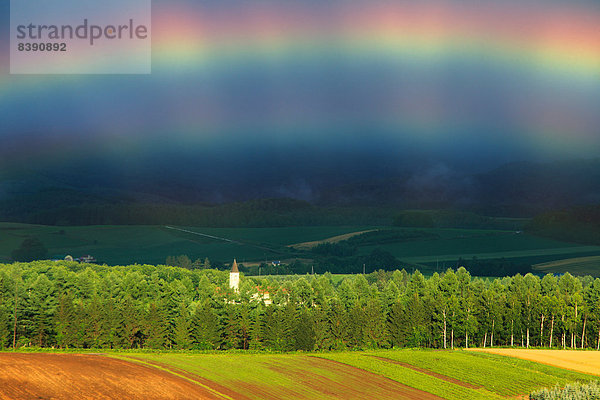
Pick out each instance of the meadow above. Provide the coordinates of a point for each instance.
(576, 265)
(436, 250)
(452, 244)
(151, 244)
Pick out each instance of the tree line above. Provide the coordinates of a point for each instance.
(71, 208)
(72, 305)
(577, 224)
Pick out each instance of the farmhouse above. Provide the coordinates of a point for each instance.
(262, 295)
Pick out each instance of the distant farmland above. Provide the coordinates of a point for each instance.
(152, 244)
(577, 265)
(437, 249)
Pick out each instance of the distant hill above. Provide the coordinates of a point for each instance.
(530, 188)
(93, 194)
(577, 224)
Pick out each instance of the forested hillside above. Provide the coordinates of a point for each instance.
(64, 304)
(577, 224)
(60, 207)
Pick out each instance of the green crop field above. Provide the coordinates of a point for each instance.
(457, 375)
(467, 243)
(280, 376)
(153, 244)
(410, 377)
(502, 375)
(577, 266)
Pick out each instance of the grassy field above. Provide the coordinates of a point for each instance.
(453, 375)
(281, 376)
(467, 243)
(439, 248)
(505, 376)
(152, 244)
(452, 244)
(577, 265)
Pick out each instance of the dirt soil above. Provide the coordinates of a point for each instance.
(333, 239)
(76, 376)
(582, 361)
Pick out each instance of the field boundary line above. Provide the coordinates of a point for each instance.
(165, 369)
(364, 370)
(427, 371)
(222, 239)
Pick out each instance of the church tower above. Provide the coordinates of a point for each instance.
(234, 277)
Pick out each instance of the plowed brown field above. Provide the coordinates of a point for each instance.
(582, 361)
(74, 376)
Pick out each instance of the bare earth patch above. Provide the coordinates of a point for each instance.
(582, 361)
(75, 376)
(333, 239)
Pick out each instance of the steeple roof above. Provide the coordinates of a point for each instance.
(234, 267)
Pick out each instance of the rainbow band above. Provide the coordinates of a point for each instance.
(557, 39)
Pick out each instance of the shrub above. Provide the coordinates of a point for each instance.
(573, 391)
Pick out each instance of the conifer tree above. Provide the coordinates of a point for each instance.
(256, 328)
(230, 327)
(338, 323)
(130, 328)
(65, 321)
(375, 332)
(182, 337)
(320, 323)
(204, 327)
(4, 327)
(156, 330)
(304, 331)
(39, 309)
(396, 323)
(96, 333)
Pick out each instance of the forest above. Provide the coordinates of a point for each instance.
(577, 224)
(71, 305)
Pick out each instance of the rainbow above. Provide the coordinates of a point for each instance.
(556, 39)
(556, 45)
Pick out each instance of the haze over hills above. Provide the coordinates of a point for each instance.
(521, 189)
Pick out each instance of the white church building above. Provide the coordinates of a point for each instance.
(234, 283)
(234, 277)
